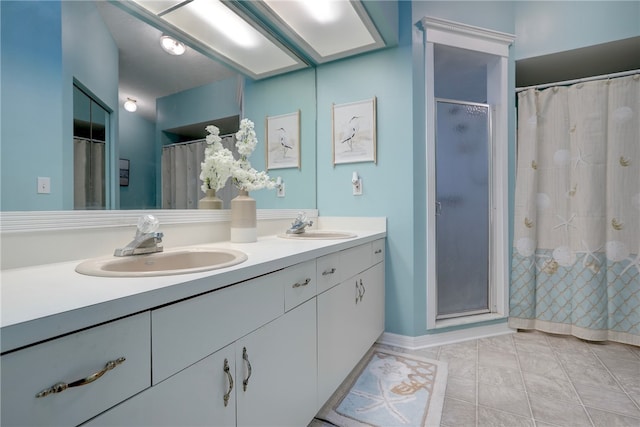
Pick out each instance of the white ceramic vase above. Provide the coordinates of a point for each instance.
(243, 219)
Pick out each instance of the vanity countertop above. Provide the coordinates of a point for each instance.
(42, 302)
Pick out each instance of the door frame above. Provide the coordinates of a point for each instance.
(496, 44)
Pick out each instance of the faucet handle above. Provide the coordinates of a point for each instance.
(147, 224)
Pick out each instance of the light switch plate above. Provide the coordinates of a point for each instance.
(44, 185)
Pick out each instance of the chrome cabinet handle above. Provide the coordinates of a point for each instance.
(378, 251)
(300, 284)
(357, 292)
(329, 271)
(60, 387)
(230, 378)
(245, 357)
(363, 290)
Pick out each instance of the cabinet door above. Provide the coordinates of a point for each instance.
(370, 307)
(192, 397)
(337, 325)
(82, 361)
(281, 386)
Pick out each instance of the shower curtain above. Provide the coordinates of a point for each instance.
(575, 266)
(88, 174)
(181, 174)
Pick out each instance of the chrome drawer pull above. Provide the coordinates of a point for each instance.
(305, 283)
(245, 357)
(378, 251)
(329, 271)
(60, 387)
(230, 378)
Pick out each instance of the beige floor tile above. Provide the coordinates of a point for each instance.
(456, 413)
(609, 419)
(463, 350)
(540, 364)
(488, 417)
(606, 399)
(504, 399)
(461, 388)
(509, 378)
(461, 367)
(534, 347)
(614, 350)
(568, 344)
(495, 358)
(503, 343)
(551, 387)
(558, 412)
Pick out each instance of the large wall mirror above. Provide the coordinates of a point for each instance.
(95, 54)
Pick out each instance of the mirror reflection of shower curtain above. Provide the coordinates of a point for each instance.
(181, 174)
(462, 208)
(88, 174)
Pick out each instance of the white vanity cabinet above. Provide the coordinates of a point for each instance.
(263, 367)
(79, 360)
(350, 315)
(269, 350)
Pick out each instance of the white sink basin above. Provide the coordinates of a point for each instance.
(319, 235)
(180, 261)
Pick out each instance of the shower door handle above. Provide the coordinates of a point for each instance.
(438, 208)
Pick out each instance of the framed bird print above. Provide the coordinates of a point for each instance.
(283, 141)
(354, 132)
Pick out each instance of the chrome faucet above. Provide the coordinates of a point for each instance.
(299, 224)
(147, 239)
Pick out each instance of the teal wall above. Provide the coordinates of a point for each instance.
(283, 95)
(31, 98)
(38, 70)
(544, 27)
(137, 144)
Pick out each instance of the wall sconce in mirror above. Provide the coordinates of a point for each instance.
(130, 105)
(172, 46)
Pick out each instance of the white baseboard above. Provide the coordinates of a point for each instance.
(443, 338)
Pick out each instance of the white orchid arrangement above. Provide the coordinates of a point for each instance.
(220, 165)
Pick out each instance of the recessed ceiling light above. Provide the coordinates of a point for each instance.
(172, 46)
(130, 105)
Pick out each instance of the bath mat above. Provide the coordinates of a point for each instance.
(388, 389)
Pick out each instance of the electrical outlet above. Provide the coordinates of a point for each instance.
(357, 187)
(280, 190)
(44, 185)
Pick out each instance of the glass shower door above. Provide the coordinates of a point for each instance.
(462, 208)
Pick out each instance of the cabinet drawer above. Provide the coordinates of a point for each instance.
(355, 260)
(27, 372)
(328, 271)
(299, 283)
(190, 330)
(377, 249)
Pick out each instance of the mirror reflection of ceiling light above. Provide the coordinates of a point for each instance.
(172, 46)
(130, 105)
(230, 25)
(221, 30)
(323, 11)
(325, 29)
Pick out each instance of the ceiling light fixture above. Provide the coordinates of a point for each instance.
(130, 105)
(172, 46)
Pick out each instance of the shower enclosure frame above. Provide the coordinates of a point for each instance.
(495, 45)
(491, 302)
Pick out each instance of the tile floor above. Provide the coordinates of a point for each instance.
(538, 379)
